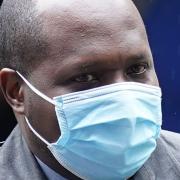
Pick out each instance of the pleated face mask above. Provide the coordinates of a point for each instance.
(107, 132)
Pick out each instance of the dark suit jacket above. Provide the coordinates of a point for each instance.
(17, 162)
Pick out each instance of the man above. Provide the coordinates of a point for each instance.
(80, 78)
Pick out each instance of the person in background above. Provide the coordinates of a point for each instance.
(80, 78)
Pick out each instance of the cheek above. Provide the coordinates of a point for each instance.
(43, 118)
(153, 80)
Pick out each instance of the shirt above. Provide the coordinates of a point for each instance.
(51, 174)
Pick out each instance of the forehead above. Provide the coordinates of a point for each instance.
(89, 15)
(76, 27)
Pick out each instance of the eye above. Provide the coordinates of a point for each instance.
(137, 69)
(86, 78)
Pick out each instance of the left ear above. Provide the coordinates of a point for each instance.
(12, 88)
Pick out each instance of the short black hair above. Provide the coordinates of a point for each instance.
(22, 43)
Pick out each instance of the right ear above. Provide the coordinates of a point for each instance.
(12, 88)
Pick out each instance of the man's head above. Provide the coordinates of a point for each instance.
(67, 46)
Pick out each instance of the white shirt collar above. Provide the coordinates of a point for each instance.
(51, 174)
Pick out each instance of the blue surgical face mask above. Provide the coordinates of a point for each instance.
(108, 132)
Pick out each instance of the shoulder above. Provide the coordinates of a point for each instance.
(8, 149)
(16, 159)
(169, 135)
(171, 139)
(171, 142)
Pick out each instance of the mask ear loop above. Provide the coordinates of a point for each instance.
(2, 142)
(42, 96)
(35, 132)
(36, 90)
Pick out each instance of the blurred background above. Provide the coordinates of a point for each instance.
(162, 21)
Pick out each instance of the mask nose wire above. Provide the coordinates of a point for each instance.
(36, 90)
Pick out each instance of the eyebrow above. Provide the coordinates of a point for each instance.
(87, 64)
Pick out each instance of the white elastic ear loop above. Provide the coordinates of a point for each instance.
(36, 133)
(2, 142)
(36, 90)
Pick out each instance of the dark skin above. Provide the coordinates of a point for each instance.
(91, 44)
